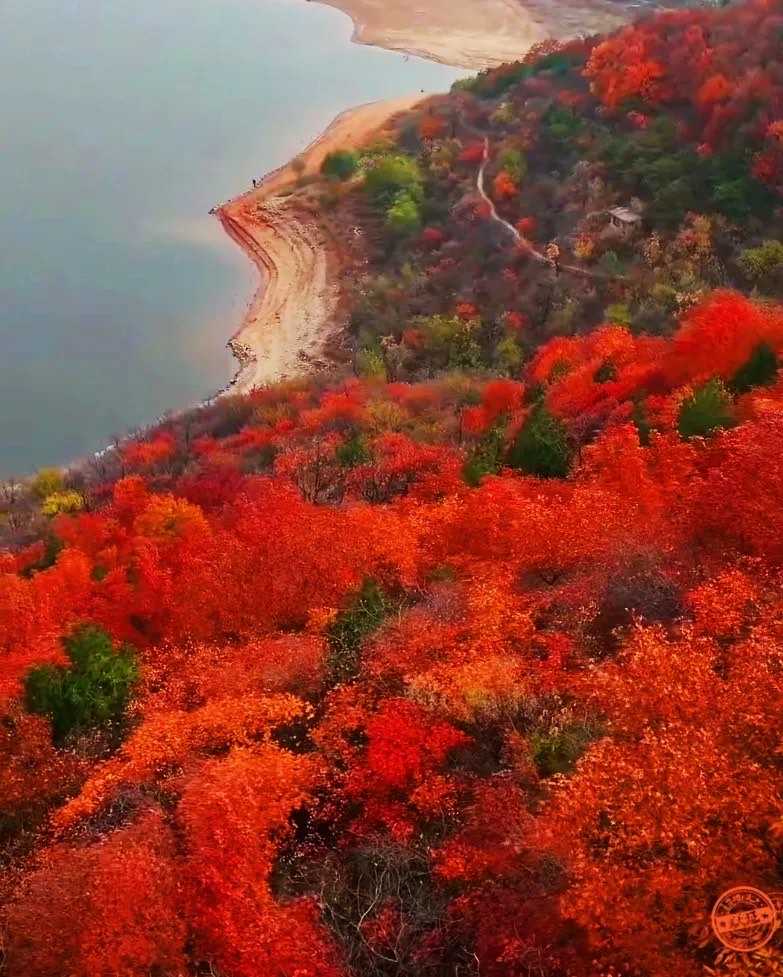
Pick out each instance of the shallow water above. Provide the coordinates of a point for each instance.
(121, 124)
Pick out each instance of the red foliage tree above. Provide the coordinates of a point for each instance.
(102, 909)
(234, 816)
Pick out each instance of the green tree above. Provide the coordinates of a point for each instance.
(509, 356)
(761, 370)
(561, 125)
(439, 332)
(342, 163)
(369, 363)
(557, 750)
(671, 201)
(465, 353)
(404, 216)
(93, 690)
(610, 263)
(390, 174)
(542, 447)
(349, 629)
(513, 162)
(53, 546)
(618, 312)
(606, 372)
(763, 264)
(486, 457)
(354, 451)
(707, 410)
(642, 422)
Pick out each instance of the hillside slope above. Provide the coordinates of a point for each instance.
(651, 159)
(466, 661)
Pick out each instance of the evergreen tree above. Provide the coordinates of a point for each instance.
(761, 370)
(707, 410)
(542, 447)
(93, 690)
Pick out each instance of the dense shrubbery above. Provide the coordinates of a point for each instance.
(475, 675)
(398, 647)
(673, 119)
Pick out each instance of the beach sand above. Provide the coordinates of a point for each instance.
(467, 33)
(474, 33)
(290, 315)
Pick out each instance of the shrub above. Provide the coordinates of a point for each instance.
(348, 631)
(48, 481)
(342, 163)
(389, 175)
(404, 216)
(542, 447)
(93, 690)
(485, 458)
(761, 370)
(708, 409)
(557, 750)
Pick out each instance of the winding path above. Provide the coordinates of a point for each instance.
(495, 216)
(523, 241)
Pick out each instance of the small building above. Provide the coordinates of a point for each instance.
(624, 219)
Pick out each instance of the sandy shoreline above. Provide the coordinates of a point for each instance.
(474, 34)
(466, 33)
(290, 316)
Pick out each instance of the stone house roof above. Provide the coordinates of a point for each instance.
(624, 215)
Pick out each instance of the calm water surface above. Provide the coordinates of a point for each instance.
(121, 123)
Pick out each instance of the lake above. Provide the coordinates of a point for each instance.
(122, 122)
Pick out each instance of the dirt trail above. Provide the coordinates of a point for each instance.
(495, 216)
(290, 316)
(523, 241)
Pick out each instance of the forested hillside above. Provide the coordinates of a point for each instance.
(652, 159)
(465, 658)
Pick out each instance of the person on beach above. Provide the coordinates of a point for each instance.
(255, 184)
